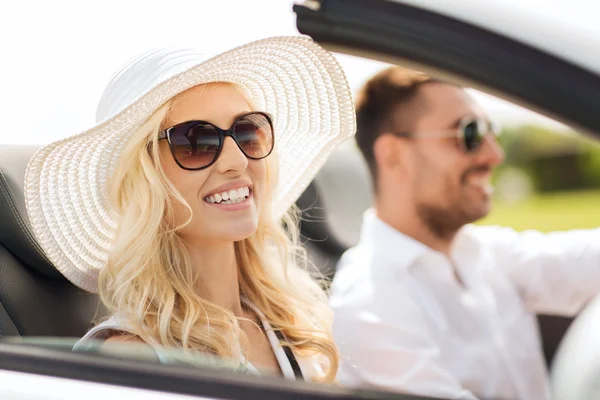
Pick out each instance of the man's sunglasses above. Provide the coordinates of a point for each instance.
(196, 145)
(470, 132)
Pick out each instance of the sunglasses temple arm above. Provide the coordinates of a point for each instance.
(162, 135)
(431, 135)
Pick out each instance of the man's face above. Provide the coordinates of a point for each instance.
(450, 187)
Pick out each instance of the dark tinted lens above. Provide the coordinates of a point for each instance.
(472, 136)
(195, 145)
(254, 135)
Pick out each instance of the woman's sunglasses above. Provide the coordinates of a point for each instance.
(197, 144)
(470, 132)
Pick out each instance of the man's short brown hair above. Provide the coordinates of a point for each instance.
(387, 103)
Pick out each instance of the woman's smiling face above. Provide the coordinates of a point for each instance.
(232, 176)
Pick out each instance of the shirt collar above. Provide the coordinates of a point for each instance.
(388, 243)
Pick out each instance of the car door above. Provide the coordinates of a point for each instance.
(48, 369)
(484, 45)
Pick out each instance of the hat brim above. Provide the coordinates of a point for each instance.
(292, 78)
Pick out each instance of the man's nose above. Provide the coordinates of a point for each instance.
(491, 152)
(231, 157)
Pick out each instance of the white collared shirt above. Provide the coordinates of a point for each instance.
(404, 323)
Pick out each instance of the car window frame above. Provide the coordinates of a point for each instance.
(459, 51)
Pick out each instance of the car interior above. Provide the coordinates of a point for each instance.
(36, 300)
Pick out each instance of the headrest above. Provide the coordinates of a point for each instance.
(334, 203)
(15, 232)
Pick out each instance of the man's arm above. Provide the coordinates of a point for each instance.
(380, 356)
(556, 273)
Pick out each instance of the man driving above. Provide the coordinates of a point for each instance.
(428, 303)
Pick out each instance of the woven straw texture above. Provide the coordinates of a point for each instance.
(300, 84)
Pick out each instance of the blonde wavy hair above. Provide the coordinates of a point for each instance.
(150, 281)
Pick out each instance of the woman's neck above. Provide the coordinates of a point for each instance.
(217, 269)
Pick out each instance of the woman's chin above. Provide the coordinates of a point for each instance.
(236, 233)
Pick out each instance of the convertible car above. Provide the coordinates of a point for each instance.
(513, 55)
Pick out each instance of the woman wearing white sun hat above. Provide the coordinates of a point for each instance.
(171, 207)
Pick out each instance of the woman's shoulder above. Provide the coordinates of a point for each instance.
(114, 328)
(123, 337)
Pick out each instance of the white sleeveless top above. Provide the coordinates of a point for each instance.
(309, 366)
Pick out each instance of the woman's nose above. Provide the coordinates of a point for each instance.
(231, 157)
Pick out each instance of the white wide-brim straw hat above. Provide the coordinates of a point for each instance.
(299, 83)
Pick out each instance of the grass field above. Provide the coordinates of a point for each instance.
(548, 212)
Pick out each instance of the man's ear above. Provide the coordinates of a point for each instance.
(389, 151)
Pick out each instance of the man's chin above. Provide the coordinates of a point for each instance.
(480, 212)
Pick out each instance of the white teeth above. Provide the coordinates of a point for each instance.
(484, 184)
(229, 197)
